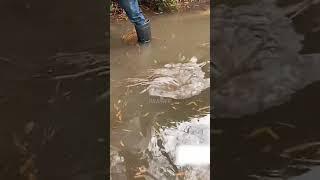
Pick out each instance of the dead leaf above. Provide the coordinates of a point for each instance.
(180, 174)
(29, 127)
(116, 107)
(122, 144)
(266, 130)
(192, 103)
(31, 176)
(27, 165)
(145, 115)
(119, 115)
(207, 107)
(139, 176)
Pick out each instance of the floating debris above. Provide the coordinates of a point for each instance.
(286, 124)
(141, 134)
(194, 103)
(157, 124)
(119, 115)
(304, 153)
(180, 174)
(176, 81)
(126, 130)
(201, 109)
(145, 115)
(257, 64)
(29, 127)
(266, 130)
(121, 143)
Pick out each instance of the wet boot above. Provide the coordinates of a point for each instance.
(144, 33)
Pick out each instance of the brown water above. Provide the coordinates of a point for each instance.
(146, 131)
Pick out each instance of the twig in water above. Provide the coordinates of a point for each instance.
(300, 7)
(288, 152)
(83, 73)
(6, 60)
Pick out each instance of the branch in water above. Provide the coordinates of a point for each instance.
(297, 9)
(83, 73)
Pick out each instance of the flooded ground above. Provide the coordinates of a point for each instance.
(280, 142)
(52, 128)
(148, 131)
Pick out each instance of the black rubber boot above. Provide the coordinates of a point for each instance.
(144, 33)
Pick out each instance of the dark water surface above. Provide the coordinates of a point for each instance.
(52, 129)
(280, 142)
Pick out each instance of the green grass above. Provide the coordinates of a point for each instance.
(164, 5)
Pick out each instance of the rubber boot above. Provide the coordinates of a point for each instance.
(144, 32)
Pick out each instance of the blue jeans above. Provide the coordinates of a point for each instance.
(133, 11)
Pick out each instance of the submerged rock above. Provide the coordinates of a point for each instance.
(164, 162)
(257, 63)
(176, 81)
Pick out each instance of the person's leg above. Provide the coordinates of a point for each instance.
(133, 11)
(135, 15)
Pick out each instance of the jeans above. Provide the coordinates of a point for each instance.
(133, 11)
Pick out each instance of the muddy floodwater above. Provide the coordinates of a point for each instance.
(148, 132)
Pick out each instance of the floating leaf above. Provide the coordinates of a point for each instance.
(267, 130)
(180, 174)
(207, 107)
(140, 133)
(121, 143)
(194, 103)
(29, 127)
(145, 115)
